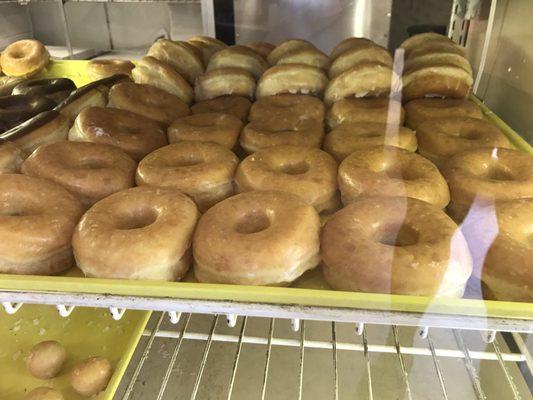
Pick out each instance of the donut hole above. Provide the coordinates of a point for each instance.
(499, 173)
(469, 134)
(253, 222)
(91, 164)
(136, 220)
(397, 171)
(397, 235)
(295, 168)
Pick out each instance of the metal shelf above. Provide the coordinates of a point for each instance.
(200, 357)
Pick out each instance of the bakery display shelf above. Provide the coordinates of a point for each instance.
(85, 333)
(262, 358)
(307, 298)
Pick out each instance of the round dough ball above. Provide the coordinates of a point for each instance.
(46, 359)
(44, 393)
(91, 376)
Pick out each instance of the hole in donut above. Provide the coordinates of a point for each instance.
(253, 222)
(295, 168)
(397, 172)
(136, 220)
(397, 235)
(13, 213)
(16, 54)
(469, 134)
(498, 173)
(91, 164)
(370, 135)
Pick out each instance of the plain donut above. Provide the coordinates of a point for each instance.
(223, 82)
(98, 69)
(238, 57)
(37, 219)
(24, 58)
(395, 246)
(286, 46)
(385, 111)
(487, 175)
(138, 233)
(256, 238)
(219, 128)
(179, 56)
(292, 78)
(419, 110)
(134, 134)
(441, 138)
(387, 171)
(90, 171)
(237, 106)
(202, 170)
(148, 101)
(308, 173)
(349, 137)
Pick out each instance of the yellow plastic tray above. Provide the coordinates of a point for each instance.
(85, 333)
(309, 290)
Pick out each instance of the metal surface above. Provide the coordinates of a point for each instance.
(324, 23)
(245, 363)
(275, 310)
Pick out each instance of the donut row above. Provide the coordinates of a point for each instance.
(393, 197)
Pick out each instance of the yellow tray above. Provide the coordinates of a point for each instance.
(309, 290)
(86, 332)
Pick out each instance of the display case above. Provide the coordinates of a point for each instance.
(399, 266)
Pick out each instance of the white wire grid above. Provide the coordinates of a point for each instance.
(203, 357)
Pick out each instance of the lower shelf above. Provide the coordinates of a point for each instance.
(201, 357)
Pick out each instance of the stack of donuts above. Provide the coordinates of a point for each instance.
(258, 163)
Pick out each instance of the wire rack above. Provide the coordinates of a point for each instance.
(203, 357)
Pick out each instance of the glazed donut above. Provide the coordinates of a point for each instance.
(134, 134)
(180, 56)
(286, 46)
(98, 69)
(37, 219)
(287, 107)
(238, 57)
(347, 44)
(307, 56)
(202, 170)
(93, 94)
(358, 55)
(207, 46)
(439, 46)
(46, 127)
(436, 81)
(265, 133)
(420, 110)
(139, 233)
(55, 89)
(24, 58)
(256, 238)
(441, 138)
(508, 267)
(430, 59)
(237, 106)
(371, 79)
(8, 83)
(90, 171)
(308, 173)
(351, 136)
(223, 82)
(11, 158)
(395, 245)
(292, 78)
(148, 101)
(19, 108)
(418, 40)
(386, 171)
(218, 128)
(365, 110)
(161, 75)
(487, 175)
(261, 48)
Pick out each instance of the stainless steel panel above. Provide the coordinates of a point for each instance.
(506, 83)
(14, 24)
(324, 23)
